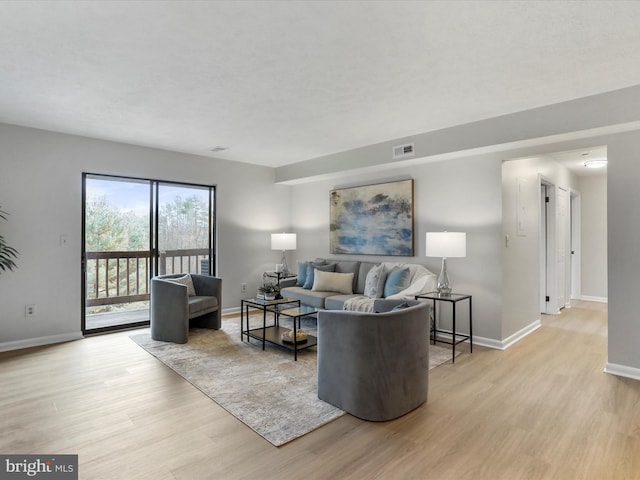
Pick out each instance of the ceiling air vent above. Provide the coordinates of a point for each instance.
(219, 149)
(403, 151)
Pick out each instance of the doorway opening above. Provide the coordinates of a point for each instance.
(555, 241)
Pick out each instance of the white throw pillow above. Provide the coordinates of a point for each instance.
(185, 280)
(332, 282)
(374, 283)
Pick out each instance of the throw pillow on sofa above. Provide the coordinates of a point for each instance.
(302, 273)
(333, 282)
(374, 285)
(187, 282)
(303, 268)
(310, 273)
(397, 281)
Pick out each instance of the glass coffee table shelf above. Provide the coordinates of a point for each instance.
(273, 333)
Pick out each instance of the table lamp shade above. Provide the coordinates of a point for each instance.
(283, 241)
(446, 244)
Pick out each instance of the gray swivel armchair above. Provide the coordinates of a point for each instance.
(374, 366)
(172, 309)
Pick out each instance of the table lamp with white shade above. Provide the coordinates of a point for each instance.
(446, 245)
(284, 242)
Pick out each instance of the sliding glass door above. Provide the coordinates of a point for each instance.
(134, 229)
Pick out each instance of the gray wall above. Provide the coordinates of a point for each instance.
(41, 185)
(623, 178)
(593, 235)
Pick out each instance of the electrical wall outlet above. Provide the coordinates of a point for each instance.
(244, 288)
(30, 310)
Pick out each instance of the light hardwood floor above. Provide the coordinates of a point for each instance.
(543, 409)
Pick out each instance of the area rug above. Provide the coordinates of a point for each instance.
(266, 390)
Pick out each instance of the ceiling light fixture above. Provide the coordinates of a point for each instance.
(595, 163)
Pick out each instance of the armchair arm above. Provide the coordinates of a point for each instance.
(206, 285)
(381, 305)
(169, 311)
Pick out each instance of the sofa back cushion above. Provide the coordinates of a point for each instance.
(346, 266)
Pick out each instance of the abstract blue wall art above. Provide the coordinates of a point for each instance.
(372, 219)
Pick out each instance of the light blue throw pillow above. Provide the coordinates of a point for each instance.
(302, 273)
(397, 280)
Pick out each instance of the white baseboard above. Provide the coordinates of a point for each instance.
(587, 298)
(39, 341)
(231, 311)
(622, 371)
(507, 342)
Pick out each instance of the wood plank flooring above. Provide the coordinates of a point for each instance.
(543, 409)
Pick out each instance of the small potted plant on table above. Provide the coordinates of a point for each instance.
(270, 291)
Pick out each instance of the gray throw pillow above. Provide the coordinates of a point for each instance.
(374, 285)
(185, 280)
(308, 283)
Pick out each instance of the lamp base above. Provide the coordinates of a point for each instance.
(285, 268)
(444, 285)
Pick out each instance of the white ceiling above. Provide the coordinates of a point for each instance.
(283, 81)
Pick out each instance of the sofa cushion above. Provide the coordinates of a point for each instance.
(198, 305)
(186, 281)
(308, 283)
(333, 282)
(397, 280)
(362, 275)
(307, 297)
(374, 285)
(336, 302)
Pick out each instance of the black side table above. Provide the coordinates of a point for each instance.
(452, 298)
(279, 276)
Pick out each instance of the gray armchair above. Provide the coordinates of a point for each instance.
(374, 366)
(172, 309)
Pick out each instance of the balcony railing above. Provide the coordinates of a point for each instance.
(123, 277)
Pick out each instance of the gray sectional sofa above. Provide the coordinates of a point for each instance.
(322, 296)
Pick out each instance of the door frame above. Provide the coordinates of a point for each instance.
(548, 263)
(153, 240)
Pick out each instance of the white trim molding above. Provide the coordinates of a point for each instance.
(509, 341)
(587, 298)
(39, 341)
(622, 371)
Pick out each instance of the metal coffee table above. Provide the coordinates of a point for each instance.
(273, 333)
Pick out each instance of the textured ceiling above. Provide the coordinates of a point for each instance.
(280, 82)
